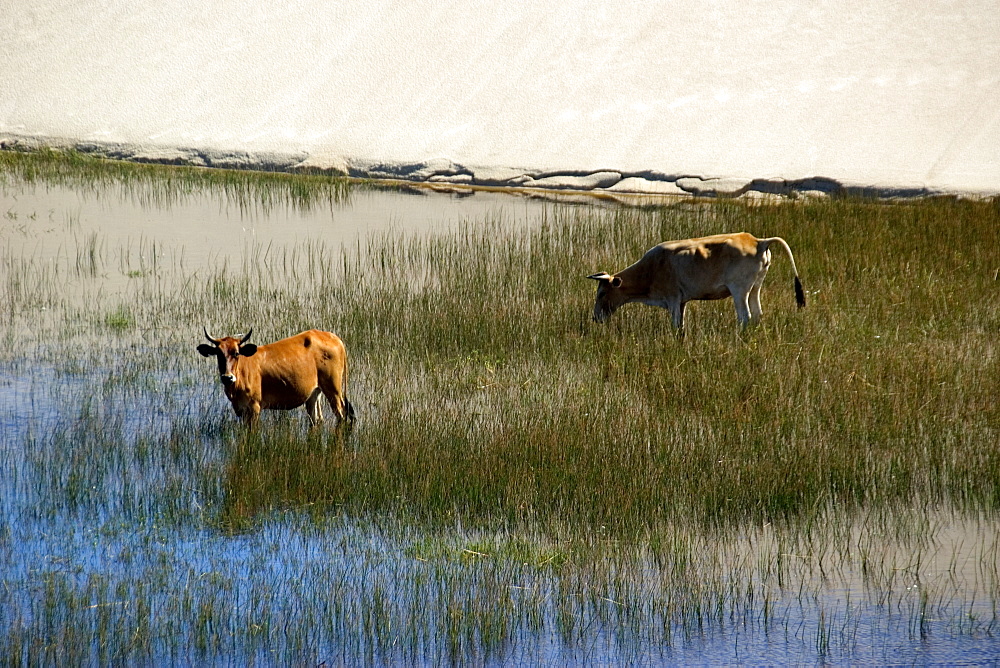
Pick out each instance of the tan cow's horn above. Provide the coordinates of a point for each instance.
(603, 276)
(247, 337)
(210, 337)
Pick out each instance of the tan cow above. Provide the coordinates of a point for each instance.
(675, 272)
(283, 375)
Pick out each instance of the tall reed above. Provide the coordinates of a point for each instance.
(161, 185)
(491, 395)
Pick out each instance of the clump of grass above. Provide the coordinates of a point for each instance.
(162, 185)
(119, 319)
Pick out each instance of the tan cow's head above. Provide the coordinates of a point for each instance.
(228, 350)
(609, 295)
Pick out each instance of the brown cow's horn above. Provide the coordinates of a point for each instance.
(210, 337)
(247, 337)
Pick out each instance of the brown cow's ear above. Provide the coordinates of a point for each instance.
(207, 350)
(616, 282)
(248, 350)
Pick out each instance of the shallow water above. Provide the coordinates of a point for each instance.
(111, 549)
(198, 230)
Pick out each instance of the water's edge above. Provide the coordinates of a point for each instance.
(630, 187)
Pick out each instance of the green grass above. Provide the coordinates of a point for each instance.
(488, 394)
(491, 396)
(161, 185)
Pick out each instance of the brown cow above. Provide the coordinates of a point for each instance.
(284, 374)
(675, 272)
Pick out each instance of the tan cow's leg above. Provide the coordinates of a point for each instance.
(741, 300)
(755, 310)
(754, 301)
(677, 316)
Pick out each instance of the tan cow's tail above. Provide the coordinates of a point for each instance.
(800, 295)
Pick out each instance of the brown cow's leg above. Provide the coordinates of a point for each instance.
(337, 403)
(333, 388)
(250, 414)
(314, 408)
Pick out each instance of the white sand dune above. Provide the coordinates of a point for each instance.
(897, 96)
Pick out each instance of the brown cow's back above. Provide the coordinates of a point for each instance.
(289, 377)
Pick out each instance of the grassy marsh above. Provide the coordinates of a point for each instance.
(495, 398)
(522, 484)
(160, 185)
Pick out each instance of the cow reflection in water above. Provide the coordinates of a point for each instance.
(282, 375)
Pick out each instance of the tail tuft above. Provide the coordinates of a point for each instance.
(800, 295)
(349, 410)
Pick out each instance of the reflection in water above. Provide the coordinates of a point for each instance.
(199, 229)
(64, 247)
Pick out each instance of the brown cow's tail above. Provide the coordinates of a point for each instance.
(349, 413)
(800, 295)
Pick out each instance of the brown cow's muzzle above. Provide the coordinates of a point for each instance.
(227, 379)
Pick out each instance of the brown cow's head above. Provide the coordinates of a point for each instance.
(609, 295)
(227, 352)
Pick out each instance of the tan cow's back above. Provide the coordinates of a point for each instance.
(698, 268)
(742, 242)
